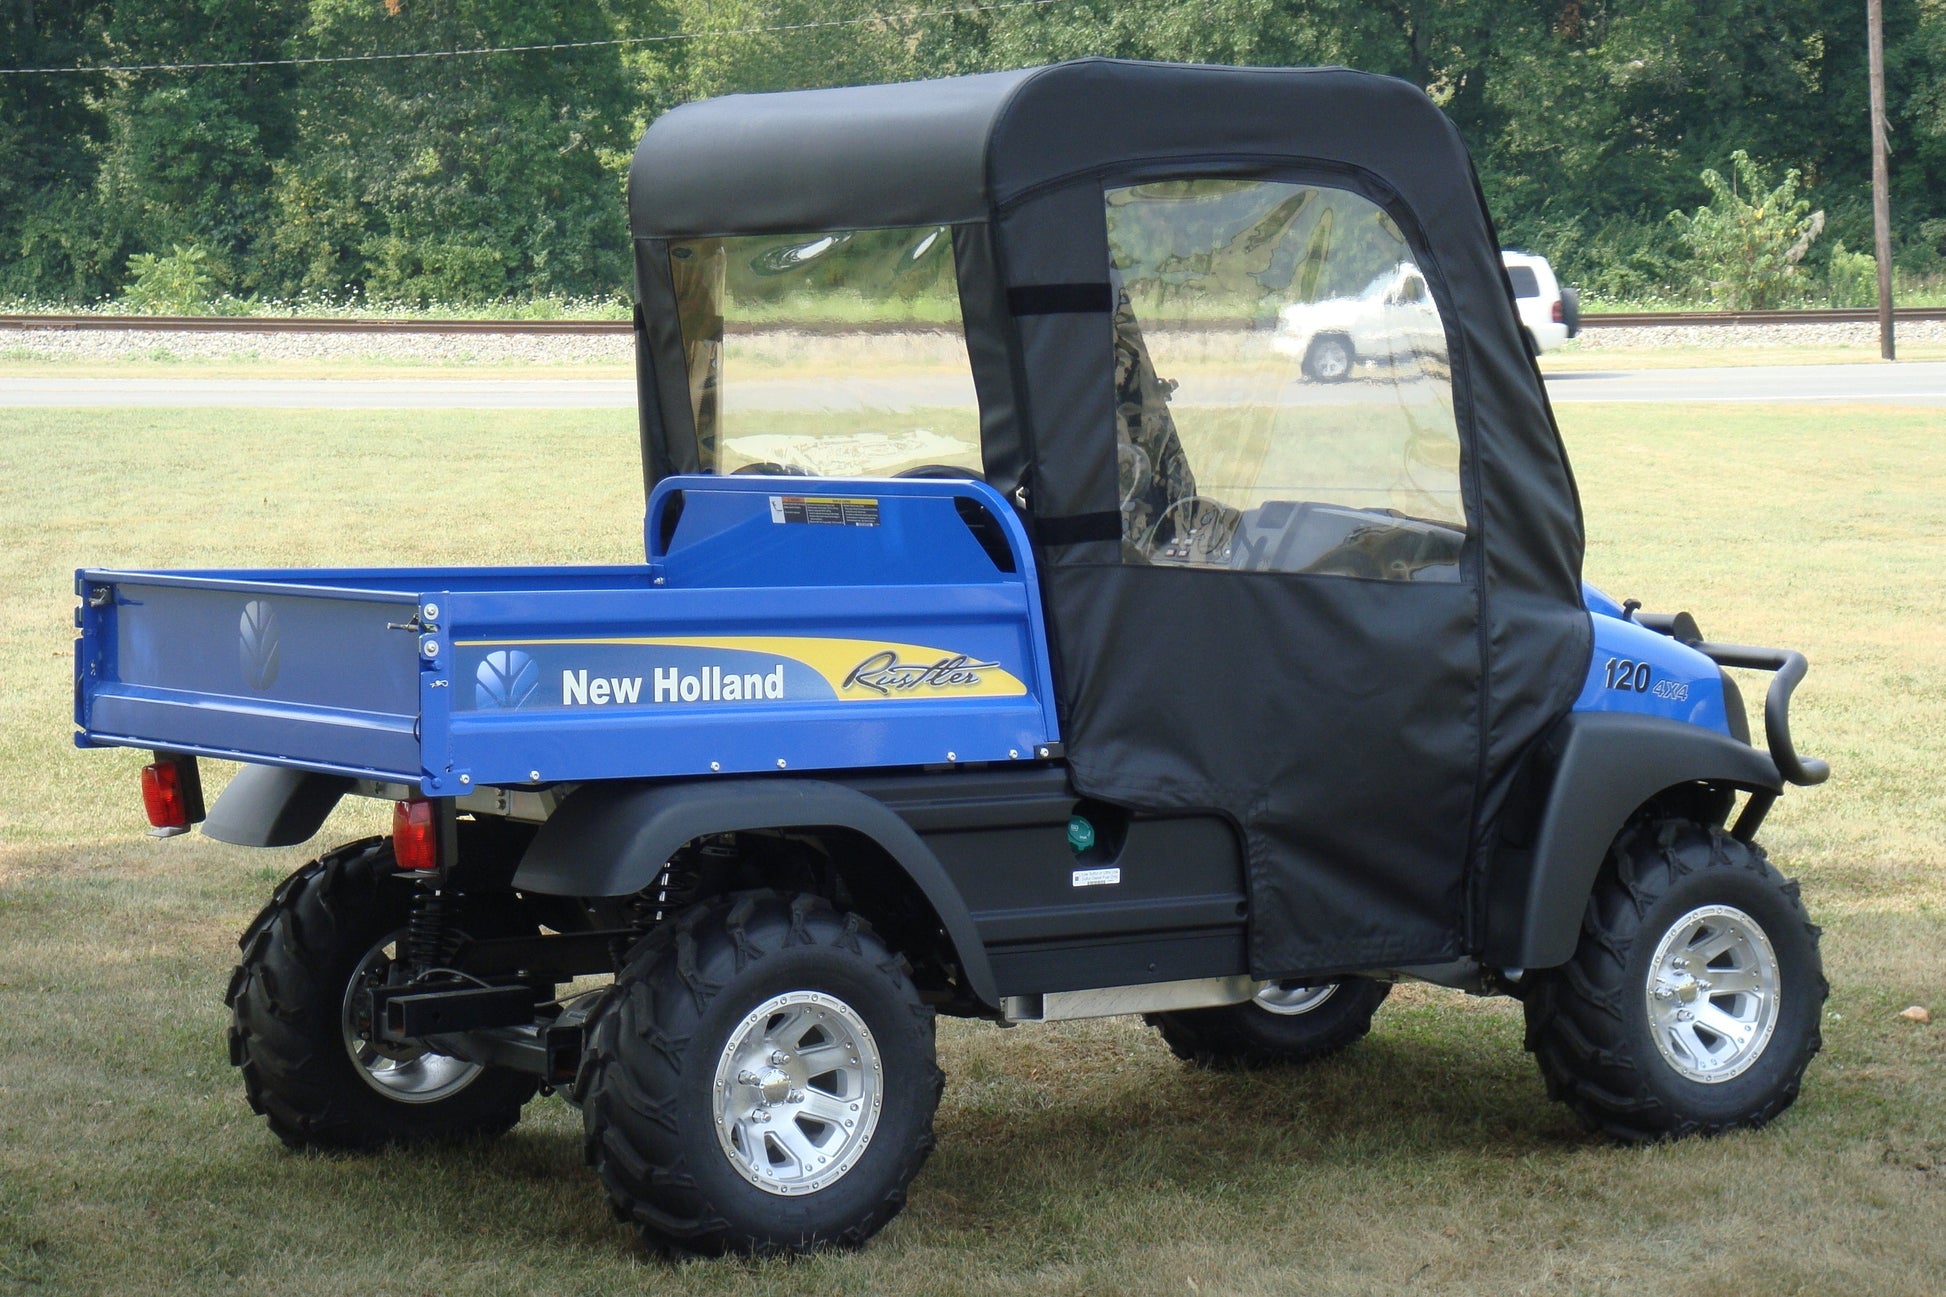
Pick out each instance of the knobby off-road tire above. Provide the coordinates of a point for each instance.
(762, 1080)
(1286, 1023)
(331, 921)
(1684, 920)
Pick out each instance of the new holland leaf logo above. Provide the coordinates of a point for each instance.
(506, 679)
(258, 648)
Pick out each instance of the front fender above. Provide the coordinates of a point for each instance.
(1589, 775)
(614, 839)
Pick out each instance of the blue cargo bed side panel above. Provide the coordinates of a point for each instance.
(877, 633)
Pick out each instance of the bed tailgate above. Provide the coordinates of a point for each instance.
(319, 676)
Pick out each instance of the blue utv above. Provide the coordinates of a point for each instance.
(1021, 635)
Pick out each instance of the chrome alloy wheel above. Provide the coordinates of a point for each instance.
(1293, 998)
(797, 1092)
(1714, 990)
(405, 1073)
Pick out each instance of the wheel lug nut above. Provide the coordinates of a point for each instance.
(748, 1077)
(778, 1058)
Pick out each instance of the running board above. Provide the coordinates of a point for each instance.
(1113, 1001)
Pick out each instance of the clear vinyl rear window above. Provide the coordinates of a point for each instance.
(835, 354)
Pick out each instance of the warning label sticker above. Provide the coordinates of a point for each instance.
(1097, 877)
(824, 510)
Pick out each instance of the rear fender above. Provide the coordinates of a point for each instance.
(1591, 773)
(614, 839)
(269, 806)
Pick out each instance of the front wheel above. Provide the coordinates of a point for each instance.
(1284, 1023)
(762, 1080)
(1692, 1003)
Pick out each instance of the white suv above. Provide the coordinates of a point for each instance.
(1394, 319)
(1551, 313)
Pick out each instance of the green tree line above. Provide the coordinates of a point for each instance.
(477, 178)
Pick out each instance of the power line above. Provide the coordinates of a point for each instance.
(528, 49)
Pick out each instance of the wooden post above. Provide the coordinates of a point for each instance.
(1881, 199)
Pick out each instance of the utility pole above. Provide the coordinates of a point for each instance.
(1881, 199)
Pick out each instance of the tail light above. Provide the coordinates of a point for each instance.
(1560, 312)
(172, 794)
(415, 837)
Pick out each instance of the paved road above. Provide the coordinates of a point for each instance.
(1908, 383)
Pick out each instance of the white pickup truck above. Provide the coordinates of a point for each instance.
(1394, 319)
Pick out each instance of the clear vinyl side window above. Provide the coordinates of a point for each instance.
(1284, 394)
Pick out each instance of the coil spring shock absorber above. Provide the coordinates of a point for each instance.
(431, 939)
(674, 888)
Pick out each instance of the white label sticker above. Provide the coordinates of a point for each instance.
(1096, 877)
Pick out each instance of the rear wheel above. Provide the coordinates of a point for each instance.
(1285, 1023)
(762, 1080)
(299, 1032)
(1693, 1000)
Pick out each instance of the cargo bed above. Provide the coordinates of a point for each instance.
(777, 624)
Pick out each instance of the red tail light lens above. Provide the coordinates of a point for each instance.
(415, 840)
(1560, 312)
(162, 795)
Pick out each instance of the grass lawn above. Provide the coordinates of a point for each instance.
(1077, 1159)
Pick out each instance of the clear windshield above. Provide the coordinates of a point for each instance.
(836, 354)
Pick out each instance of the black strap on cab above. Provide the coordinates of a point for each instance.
(1078, 528)
(1061, 299)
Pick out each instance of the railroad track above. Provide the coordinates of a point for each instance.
(565, 328)
(1667, 319)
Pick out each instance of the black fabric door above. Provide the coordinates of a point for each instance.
(1276, 616)
(1335, 720)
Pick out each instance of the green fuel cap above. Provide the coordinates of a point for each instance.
(1081, 834)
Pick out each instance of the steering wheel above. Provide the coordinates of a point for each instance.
(950, 471)
(1203, 531)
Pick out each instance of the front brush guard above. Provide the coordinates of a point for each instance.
(1790, 667)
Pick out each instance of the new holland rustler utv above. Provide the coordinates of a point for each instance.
(1021, 636)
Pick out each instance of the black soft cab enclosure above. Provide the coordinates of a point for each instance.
(1246, 359)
